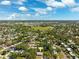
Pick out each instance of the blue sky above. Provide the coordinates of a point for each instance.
(39, 9)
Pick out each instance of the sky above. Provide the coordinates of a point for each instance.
(39, 9)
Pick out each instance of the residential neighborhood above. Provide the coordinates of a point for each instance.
(39, 40)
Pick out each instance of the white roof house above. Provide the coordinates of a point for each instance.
(69, 49)
(39, 53)
(71, 54)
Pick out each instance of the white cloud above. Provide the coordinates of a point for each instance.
(20, 2)
(16, 16)
(5, 2)
(54, 3)
(13, 16)
(49, 8)
(28, 15)
(37, 14)
(23, 9)
(40, 11)
(44, 11)
(69, 2)
(76, 9)
(57, 4)
(63, 3)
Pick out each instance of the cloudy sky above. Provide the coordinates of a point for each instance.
(39, 9)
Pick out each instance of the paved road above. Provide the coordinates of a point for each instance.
(65, 57)
(6, 48)
(6, 56)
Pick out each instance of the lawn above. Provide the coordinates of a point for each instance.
(38, 57)
(20, 58)
(41, 28)
(1, 48)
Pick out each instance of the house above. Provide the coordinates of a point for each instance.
(39, 55)
(69, 49)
